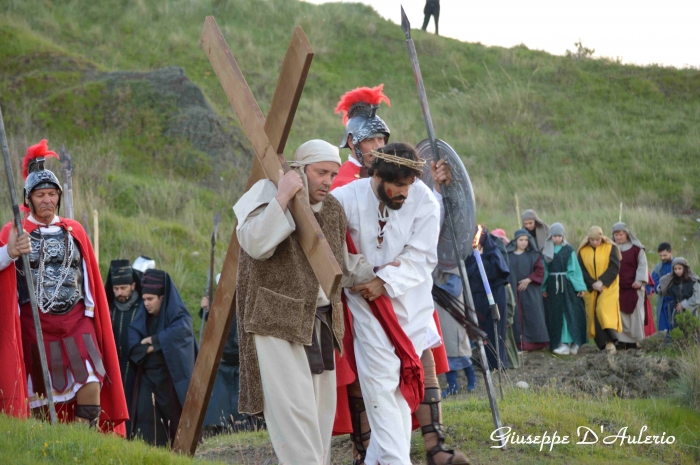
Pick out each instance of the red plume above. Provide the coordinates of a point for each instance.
(369, 95)
(35, 151)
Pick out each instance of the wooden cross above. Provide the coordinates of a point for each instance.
(268, 138)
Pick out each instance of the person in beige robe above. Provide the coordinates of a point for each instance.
(634, 276)
(288, 327)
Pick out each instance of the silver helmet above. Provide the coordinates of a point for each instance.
(359, 110)
(35, 175)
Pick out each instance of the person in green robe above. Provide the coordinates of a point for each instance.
(563, 288)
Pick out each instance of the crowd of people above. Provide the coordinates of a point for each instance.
(363, 362)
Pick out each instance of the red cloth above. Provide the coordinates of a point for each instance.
(439, 353)
(13, 378)
(629, 296)
(347, 173)
(411, 371)
(112, 401)
(649, 327)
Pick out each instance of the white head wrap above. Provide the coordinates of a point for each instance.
(556, 229)
(314, 151)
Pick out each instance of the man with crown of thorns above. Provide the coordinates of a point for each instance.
(366, 134)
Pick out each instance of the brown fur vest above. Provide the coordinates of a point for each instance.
(277, 297)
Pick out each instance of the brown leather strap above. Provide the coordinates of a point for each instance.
(58, 373)
(94, 355)
(77, 365)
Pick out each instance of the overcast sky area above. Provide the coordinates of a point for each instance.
(640, 32)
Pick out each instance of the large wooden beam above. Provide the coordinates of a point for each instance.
(308, 232)
(277, 126)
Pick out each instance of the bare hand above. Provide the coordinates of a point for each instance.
(289, 184)
(371, 290)
(522, 284)
(545, 295)
(441, 173)
(204, 303)
(637, 285)
(394, 263)
(580, 294)
(147, 340)
(598, 286)
(17, 247)
(679, 307)
(150, 350)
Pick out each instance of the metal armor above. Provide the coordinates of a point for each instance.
(57, 272)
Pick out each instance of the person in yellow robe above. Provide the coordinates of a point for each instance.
(599, 258)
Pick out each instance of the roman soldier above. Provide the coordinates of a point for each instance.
(73, 310)
(123, 289)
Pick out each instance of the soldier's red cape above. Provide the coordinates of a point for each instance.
(345, 367)
(112, 401)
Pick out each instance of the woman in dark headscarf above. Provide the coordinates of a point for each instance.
(526, 275)
(683, 286)
(535, 227)
(497, 274)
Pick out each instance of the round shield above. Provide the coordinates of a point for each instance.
(458, 200)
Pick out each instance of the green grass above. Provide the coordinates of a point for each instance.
(573, 138)
(30, 442)
(534, 412)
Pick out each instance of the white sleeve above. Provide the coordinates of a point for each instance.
(262, 225)
(89, 301)
(418, 258)
(642, 271)
(438, 197)
(5, 259)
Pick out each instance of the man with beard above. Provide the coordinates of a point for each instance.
(162, 345)
(661, 269)
(123, 289)
(365, 132)
(73, 310)
(390, 227)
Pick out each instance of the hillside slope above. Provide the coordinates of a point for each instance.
(573, 137)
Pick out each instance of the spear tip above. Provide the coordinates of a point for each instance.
(405, 25)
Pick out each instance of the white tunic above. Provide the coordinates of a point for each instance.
(410, 237)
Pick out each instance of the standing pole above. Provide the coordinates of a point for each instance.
(620, 219)
(447, 201)
(517, 212)
(210, 278)
(27, 275)
(96, 232)
(67, 175)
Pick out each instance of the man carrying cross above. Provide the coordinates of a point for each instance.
(288, 328)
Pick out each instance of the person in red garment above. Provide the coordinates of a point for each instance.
(366, 132)
(74, 314)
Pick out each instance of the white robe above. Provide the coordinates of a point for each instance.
(410, 237)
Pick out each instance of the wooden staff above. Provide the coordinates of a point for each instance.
(519, 223)
(96, 237)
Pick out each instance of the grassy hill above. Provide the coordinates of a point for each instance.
(573, 137)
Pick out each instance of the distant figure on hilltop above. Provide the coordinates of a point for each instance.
(432, 8)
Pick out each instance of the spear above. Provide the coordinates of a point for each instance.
(67, 175)
(469, 301)
(27, 273)
(210, 277)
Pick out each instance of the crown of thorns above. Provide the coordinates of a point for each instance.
(391, 158)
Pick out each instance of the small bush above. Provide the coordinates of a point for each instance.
(688, 385)
(687, 330)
